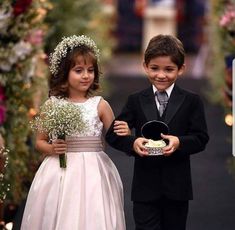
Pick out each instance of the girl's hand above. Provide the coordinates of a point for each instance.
(59, 146)
(121, 128)
(174, 144)
(139, 147)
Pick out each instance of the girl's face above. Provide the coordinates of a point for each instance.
(162, 72)
(81, 76)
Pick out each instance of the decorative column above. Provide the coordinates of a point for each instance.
(159, 18)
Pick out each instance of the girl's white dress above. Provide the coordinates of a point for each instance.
(87, 195)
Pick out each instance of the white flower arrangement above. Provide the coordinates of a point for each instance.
(4, 187)
(59, 118)
(155, 147)
(14, 53)
(5, 18)
(157, 144)
(70, 43)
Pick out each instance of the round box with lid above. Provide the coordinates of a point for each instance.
(152, 130)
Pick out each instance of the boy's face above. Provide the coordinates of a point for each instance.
(162, 72)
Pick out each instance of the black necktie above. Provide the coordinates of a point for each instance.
(162, 99)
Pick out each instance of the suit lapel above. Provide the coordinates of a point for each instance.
(174, 103)
(148, 104)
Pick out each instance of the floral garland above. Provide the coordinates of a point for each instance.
(4, 186)
(67, 44)
(21, 42)
(223, 35)
(2, 106)
(227, 23)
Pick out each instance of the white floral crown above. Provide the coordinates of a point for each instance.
(69, 43)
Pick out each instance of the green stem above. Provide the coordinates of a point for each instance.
(62, 157)
(62, 160)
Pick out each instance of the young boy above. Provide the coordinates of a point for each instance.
(162, 185)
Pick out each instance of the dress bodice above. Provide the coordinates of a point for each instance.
(89, 108)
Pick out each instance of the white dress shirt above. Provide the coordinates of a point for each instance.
(168, 91)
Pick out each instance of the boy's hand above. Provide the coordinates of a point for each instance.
(139, 147)
(172, 146)
(121, 128)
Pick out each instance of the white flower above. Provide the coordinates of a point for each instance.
(3, 186)
(5, 66)
(59, 117)
(70, 43)
(22, 49)
(5, 18)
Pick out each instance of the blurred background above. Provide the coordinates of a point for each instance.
(29, 31)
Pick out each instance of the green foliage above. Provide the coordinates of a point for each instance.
(4, 187)
(222, 43)
(217, 60)
(88, 17)
(20, 57)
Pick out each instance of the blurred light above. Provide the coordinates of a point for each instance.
(43, 56)
(27, 86)
(41, 12)
(9, 226)
(229, 119)
(32, 112)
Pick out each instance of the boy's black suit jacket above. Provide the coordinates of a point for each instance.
(155, 176)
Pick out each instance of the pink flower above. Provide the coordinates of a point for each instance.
(35, 37)
(224, 20)
(227, 20)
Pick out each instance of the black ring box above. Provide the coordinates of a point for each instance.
(153, 129)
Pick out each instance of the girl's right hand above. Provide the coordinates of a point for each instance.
(59, 146)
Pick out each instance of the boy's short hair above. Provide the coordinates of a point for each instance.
(165, 45)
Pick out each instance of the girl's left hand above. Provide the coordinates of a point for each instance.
(121, 128)
(172, 146)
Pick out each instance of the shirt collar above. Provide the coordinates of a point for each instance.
(168, 90)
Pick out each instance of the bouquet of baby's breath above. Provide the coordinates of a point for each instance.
(59, 118)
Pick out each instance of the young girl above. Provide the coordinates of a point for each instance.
(87, 194)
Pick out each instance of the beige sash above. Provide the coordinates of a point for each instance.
(84, 144)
